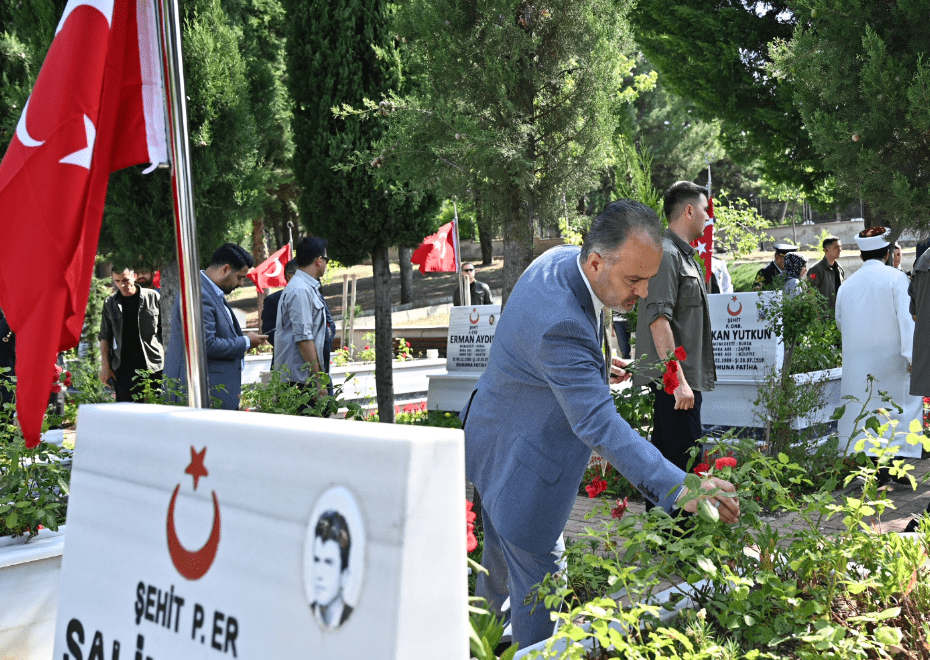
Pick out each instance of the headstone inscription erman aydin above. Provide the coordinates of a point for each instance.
(471, 333)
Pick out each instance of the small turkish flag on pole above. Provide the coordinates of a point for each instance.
(705, 244)
(270, 272)
(436, 253)
(97, 106)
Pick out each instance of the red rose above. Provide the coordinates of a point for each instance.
(680, 353)
(726, 461)
(596, 487)
(702, 469)
(618, 511)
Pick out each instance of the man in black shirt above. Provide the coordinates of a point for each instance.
(480, 292)
(130, 335)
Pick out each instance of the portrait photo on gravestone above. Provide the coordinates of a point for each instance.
(334, 557)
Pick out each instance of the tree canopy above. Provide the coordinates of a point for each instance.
(515, 101)
(714, 53)
(862, 85)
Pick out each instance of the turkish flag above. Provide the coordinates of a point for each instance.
(436, 253)
(97, 106)
(271, 271)
(705, 244)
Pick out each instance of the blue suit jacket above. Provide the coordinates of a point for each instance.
(223, 346)
(542, 405)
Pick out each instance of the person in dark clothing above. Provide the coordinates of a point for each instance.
(765, 278)
(130, 336)
(480, 292)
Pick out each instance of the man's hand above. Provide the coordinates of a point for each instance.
(618, 372)
(684, 397)
(255, 339)
(106, 374)
(728, 507)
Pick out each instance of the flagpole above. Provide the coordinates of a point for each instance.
(464, 291)
(185, 224)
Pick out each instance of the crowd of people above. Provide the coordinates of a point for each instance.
(544, 401)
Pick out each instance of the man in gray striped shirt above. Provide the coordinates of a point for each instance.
(300, 333)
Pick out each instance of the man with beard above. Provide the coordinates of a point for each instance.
(544, 403)
(224, 343)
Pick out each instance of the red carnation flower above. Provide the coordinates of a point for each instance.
(701, 469)
(726, 461)
(680, 353)
(471, 543)
(813, 276)
(56, 388)
(670, 381)
(67, 380)
(408, 344)
(618, 511)
(596, 487)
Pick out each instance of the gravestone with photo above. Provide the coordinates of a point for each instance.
(219, 534)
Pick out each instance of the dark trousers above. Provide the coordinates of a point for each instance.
(128, 387)
(675, 432)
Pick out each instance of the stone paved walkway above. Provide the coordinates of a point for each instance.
(908, 504)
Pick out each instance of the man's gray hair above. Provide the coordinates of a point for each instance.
(616, 222)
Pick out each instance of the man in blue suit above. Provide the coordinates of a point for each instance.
(224, 343)
(543, 404)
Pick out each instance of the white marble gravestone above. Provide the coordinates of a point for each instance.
(471, 334)
(193, 534)
(745, 351)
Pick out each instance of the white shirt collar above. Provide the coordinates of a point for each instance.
(598, 305)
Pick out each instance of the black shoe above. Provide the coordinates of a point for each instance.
(884, 477)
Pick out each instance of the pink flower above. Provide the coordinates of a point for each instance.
(702, 469)
(596, 487)
(680, 353)
(408, 344)
(618, 511)
(726, 461)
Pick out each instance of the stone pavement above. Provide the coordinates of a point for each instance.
(908, 504)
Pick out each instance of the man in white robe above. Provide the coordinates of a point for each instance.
(878, 330)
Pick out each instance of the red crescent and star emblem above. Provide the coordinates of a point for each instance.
(738, 309)
(474, 317)
(194, 565)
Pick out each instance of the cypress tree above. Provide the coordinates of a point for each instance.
(341, 52)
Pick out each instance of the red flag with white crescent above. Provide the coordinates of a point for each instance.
(97, 106)
(705, 244)
(270, 273)
(436, 253)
